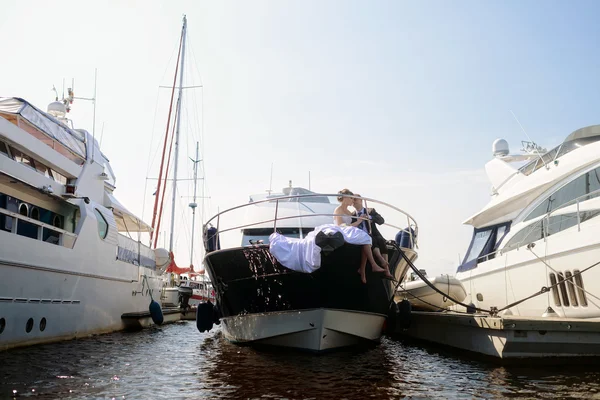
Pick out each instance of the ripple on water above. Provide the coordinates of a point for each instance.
(177, 362)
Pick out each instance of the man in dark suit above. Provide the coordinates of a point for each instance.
(379, 247)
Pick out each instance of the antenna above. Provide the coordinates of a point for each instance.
(101, 135)
(536, 147)
(308, 180)
(71, 93)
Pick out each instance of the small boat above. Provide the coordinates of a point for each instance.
(424, 297)
(263, 299)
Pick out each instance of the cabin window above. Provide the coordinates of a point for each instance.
(529, 234)
(23, 158)
(58, 177)
(102, 224)
(257, 234)
(42, 169)
(553, 225)
(484, 245)
(3, 148)
(479, 241)
(578, 188)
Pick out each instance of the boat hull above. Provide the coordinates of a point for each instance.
(313, 330)
(52, 293)
(253, 290)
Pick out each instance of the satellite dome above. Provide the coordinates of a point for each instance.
(500, 148)
(57, 109)
(162, 257)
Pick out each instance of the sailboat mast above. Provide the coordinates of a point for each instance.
(178, 114)
(193, 204)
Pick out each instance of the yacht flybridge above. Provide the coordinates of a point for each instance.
(68, 265)
(539, 236)
(284, 278)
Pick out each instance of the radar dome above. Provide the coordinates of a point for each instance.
(163, 258)
(57, 109)
(500, 148)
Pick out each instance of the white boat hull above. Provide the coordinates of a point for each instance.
(314, 330)
(518, 274)
(76, 293)
(423, 297)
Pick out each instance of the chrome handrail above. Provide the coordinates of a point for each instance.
(411, 222)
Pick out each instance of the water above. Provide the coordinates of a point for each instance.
(177, 362)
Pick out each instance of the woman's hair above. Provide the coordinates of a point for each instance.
(344, 191)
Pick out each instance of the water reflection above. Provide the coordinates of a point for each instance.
(246, 372)
(177, 362)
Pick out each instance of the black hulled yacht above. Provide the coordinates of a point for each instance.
(262, 301)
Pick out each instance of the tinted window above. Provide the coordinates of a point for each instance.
(587, 183)
(22, 158)
(263, 234)
(102, 224)
(529, 234)
(500, 234)
(3, 148)
(479, 242)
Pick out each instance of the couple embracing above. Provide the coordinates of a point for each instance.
(366, 220)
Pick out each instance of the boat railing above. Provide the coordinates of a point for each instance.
(34, 229)
(544, 222)
(411, 227)
(134, 252)
(577, 201)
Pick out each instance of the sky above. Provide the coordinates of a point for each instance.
(397, 100)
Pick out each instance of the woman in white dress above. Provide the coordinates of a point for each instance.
(343, 217)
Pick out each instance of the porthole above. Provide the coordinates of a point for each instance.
(24, 209)
(43, 324)
(57, 221)
(34, 213)
(2, 325)
(29, 325)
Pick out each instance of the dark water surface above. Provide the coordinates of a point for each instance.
(177, 362)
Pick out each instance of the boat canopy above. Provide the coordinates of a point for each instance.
(126, 220)
(70, 138)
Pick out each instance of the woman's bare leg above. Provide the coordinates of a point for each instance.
(363, 267)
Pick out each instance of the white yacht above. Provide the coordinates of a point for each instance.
(540, 232)
(69, 266)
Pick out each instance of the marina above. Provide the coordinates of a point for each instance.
(188, 223)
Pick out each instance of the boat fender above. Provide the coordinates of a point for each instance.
(404, 314)
(392, 319)
(216, 315)
(156, 313)
(204, 316)
(471, 308)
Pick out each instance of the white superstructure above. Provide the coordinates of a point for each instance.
(71, 262)
(540, 230)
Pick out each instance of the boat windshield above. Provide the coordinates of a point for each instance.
(254, 236)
